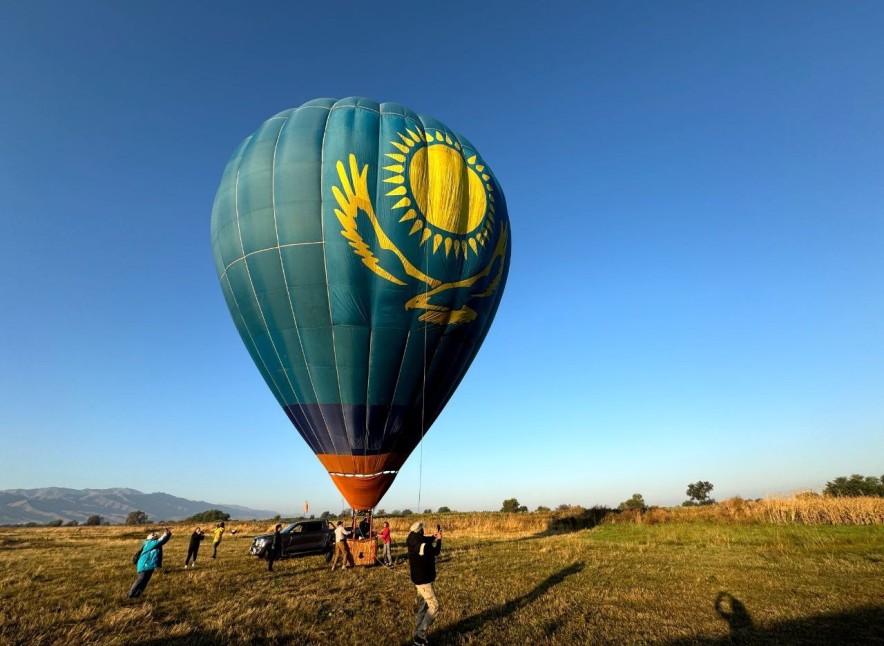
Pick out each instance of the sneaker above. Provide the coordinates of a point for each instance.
(420, 641)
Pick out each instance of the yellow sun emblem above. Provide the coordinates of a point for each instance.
(448, 198)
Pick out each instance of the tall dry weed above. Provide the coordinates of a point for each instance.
(799, 509)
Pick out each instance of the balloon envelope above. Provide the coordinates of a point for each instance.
(362, 250)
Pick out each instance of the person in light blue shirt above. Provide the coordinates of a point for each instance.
(150, 559)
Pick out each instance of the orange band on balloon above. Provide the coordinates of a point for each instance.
(363, 494)
(362, 479)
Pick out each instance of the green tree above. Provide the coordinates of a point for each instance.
(208, 516)
(698, 494)
(94, 520)
(855, 485)
(55, 523)
(137, 518)
(71, 523)
(444, 510)
(636, 502)
(511, 505)
(541, 508)
(407, 512)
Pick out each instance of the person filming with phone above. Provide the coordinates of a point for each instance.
(422, 553)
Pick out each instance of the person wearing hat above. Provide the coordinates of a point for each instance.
(422, 553)
(149, 560)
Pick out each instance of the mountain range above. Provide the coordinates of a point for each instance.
(19, 506)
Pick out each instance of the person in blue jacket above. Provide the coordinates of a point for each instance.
(150, 559)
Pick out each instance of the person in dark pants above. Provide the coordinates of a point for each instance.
(149, 560)
(275, 549)
(193, 549)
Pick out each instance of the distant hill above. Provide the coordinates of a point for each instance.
(19, 506)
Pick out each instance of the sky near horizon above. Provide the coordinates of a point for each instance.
(696, 194)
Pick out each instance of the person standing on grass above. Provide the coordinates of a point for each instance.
(193, 549)
(385, 537)
(149, 560)
(275, 550)
(422, 553)
(342, 550)
(216, 541)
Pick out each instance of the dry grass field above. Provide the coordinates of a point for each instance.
(737, 572)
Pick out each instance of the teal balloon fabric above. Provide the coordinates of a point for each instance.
(362, 250)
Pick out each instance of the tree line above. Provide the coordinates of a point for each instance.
(697, 493)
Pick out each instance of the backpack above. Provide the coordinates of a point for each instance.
(137, 556)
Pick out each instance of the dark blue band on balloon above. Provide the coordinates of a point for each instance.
(359, 430)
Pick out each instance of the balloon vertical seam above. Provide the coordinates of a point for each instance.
(285, 278)
(325, 269)
(254, 291)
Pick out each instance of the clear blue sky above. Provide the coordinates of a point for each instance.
(696, 193)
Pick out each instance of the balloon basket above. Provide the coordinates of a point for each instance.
(364, 551)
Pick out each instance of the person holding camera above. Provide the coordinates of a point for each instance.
(150, 559)
(422, 553)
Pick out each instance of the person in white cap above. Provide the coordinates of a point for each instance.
(422, 553)
(150, 559)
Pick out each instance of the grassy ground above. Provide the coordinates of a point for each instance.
(669, 583)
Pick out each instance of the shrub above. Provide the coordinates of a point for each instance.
(511, 505)
(698, 493)
(209, 516)
(136, 518)
(636, 502)
(855, 485)
(94, 520)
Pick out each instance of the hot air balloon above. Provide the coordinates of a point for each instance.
(363, 251)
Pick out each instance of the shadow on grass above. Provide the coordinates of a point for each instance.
(212, 638)
(860, 626)
(454, 633)
(569, 523)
